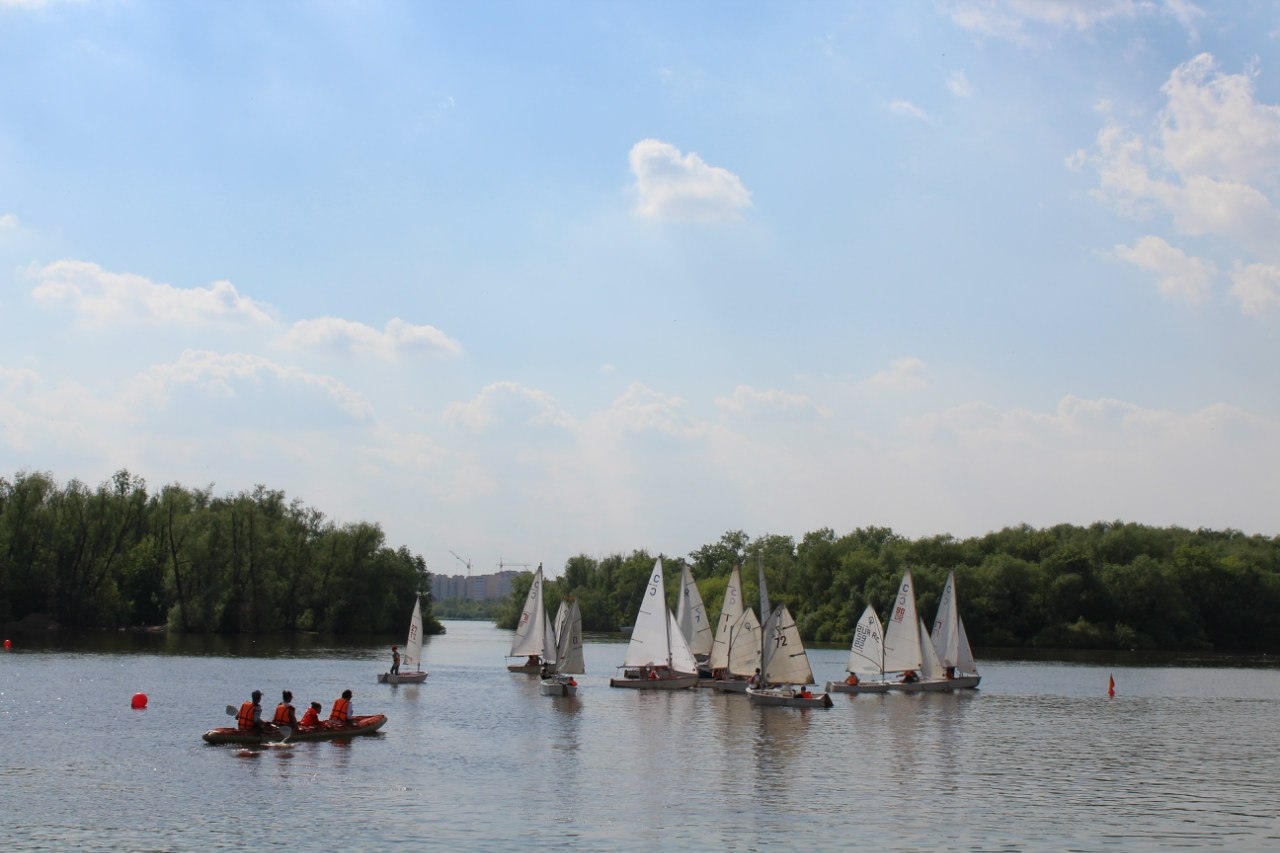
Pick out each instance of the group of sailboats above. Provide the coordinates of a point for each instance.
(552, 649)
(919, 660)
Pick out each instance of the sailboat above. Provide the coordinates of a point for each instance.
(727, 629)
(412, 653)
(866, 655)
(534, 639)
(952, 643)
(691, 616)
(784, 668)
(657, 653)
(907, 647)
(743, 658)
(569, 662)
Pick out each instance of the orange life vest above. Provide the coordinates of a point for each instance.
(244, 719)
(341, 711)
(310, 718)
(284, 715)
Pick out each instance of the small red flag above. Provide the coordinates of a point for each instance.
(1111, 685)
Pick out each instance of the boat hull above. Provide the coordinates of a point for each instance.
(558, 687)
(921, 687)
(527, 669)
(786, 698)
(402, 678)
(860, 687)
(366, 725)
(675, 682)
(730, 686)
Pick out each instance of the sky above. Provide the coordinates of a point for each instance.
(520, 281)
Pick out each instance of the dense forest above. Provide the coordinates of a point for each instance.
(120, 556)
(1111, 585)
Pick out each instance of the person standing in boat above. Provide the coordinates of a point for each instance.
(249, 719)
(342, 713)
(395, 661)
(285, 714)
(311, 717)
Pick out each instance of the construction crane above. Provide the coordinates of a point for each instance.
(466, 563)
(502, 565)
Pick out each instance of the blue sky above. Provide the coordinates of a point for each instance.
(525, 280)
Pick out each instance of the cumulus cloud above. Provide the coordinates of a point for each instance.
(1210, 167)
(103, 298)
(1257, 287)
(8, 221)
(746, 399)
(902, 373)
(507, 402)
(958, 84)
(1182, 278)
(398, 338)
(231, 377)
(682, 187)
(908, 109)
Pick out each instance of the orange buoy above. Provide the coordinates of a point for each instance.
(7, 645)
(139, 702)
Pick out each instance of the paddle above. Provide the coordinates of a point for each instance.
(286, 731)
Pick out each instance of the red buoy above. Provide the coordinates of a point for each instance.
(139, 701)
(7, 645)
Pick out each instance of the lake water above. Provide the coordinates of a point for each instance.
(476, 759)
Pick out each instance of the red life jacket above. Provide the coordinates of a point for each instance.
(244, 719)
(310, 718)
(341, 711)
(284, 715)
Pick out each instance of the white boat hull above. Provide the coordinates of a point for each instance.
(787, 698)
(402, 678)
(527, 669)
(674, 682)
(860, 687)
(921, 687)
(558, 687)
(730, 686)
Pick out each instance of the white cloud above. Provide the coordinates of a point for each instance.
(506, 403)
(1014, 19)
(1257, 286)
(908, 109)
(1212, 167)
(102, 298)
(399, 338)
(902, 373)
(1182, 278)
(8, 221)
(272, 389)
(672, 186)
(746, 399)
(959, 85)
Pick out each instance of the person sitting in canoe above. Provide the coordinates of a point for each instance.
(249, 718)
(311, 717)
(285, 714)
(341, 714)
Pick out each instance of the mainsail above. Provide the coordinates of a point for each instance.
(785, 661)
(730, 614)
(866, 654)
(533, 631)
(656, 639)
(569, 639)
(743, 657)
(948, 631)
(902, 650)
(691, 615)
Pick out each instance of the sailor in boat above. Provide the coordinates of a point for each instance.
(804, 692)
(910, 677)
(285, 715)
(852, 680)
(395, 661)
(534, 660)
(950, 672)
(311, 717)
(756, 681)
(341, 714)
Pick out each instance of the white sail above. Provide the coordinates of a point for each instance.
(649, 645)
(569, 640)
(765, 610)
(680, 658)
(548, 641)
(785, 661)
(730, 614)
(866, 654)
(561, 614)
(413, 646)
(948, 636)
(531, 631)
(931, 666)
(902, 650)
(691, 615)
(744, 649)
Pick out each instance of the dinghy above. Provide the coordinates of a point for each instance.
(785, 668)
(866, 655)
(568, 630)
(658, 658)
(412, 653)
(534, 639)
(951, 642)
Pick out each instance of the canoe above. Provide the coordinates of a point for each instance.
(365, 725)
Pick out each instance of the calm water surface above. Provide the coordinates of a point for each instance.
(475, 759)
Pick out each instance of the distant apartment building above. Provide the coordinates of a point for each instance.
(473, 588)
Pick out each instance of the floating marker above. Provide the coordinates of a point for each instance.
(139, 702)
(1111, 685)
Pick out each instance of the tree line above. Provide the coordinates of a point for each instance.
(119, 555)
(1109, 585)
